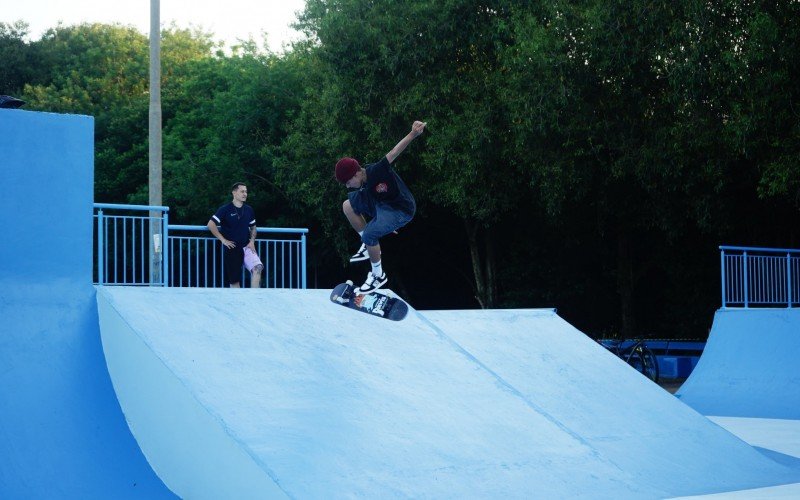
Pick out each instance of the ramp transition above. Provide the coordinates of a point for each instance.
(278, 393)
(749, 367)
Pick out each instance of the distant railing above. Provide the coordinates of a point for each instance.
(191, 256)
(760, 277)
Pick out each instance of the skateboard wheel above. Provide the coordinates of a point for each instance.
(349, 282)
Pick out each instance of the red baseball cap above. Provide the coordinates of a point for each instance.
(346, 168)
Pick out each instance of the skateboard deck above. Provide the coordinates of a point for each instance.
(375, 303)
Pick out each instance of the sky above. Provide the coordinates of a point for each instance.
(228, 20)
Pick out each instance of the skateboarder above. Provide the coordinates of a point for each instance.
(380, 194)
(234, 224)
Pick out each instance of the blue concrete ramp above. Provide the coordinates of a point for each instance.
(279, 393)
(621, 414)
(62, 432)
(750, 366)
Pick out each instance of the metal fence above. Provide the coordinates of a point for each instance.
(760, 277)
(191, 257)
(195, 259)
(123, 236)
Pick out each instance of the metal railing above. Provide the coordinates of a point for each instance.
(190, 257)
(196, 258)
(760, 277)
(123, 254)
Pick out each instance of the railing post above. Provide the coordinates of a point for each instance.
(789, 278)
(165, 250)
(745, 284)
(100, 247)
(723, 276)
(303, 262)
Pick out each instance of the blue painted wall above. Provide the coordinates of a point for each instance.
(62, 433)
(749, 367)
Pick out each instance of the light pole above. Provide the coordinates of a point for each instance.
(154, 152)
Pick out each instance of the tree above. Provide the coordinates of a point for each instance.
(386, 63)
(20, 59)
(102, 70)
(760, 66)
(230, 114)
(604, 114)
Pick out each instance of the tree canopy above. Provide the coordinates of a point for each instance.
(588, 156)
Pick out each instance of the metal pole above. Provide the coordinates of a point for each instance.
(165, 251)
(303, 282)
(722, 275)
(746, 285)
(789, 278)
(154, 186)
(101, 247)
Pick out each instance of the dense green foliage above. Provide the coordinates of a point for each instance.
(589, 155)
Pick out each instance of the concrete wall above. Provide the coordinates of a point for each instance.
(62, 433)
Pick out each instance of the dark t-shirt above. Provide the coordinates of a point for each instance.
(235, 223)
(385, 186)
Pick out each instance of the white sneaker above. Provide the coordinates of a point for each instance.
(372, 283)
(362, 254)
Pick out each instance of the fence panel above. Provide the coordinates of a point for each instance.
(196, 258)
(122, 253)
(760, 277)
(191, 256)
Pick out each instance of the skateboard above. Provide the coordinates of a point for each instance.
(375, 303)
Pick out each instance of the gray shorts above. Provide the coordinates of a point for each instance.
(384, 218)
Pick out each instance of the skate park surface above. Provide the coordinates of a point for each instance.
(148, 392)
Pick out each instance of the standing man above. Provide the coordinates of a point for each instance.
(383, 196)
(234, 224)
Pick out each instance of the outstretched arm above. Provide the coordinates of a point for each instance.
(416, 130)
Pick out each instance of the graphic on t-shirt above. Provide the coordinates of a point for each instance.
(381, 188)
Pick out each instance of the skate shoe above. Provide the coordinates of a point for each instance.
(362, 254)
(371, 284)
